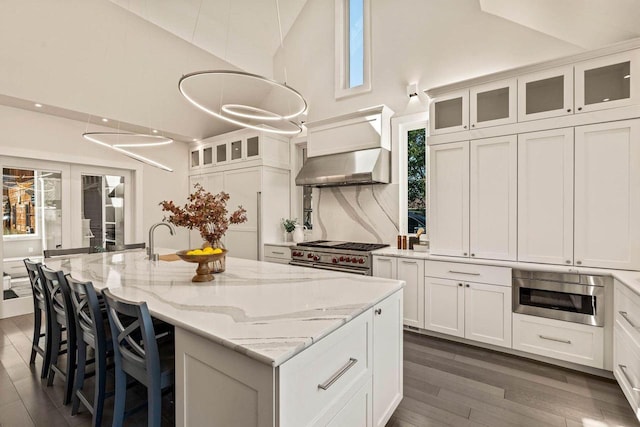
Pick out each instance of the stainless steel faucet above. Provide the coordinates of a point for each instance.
(151, 249)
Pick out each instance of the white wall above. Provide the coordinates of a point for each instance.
(41, 136)
(431, 42)
(92, 56)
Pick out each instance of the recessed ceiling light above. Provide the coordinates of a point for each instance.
(105, 120)
(628, 76)
(195, 139)
(154, 131)
(605, 100)
(38, 105)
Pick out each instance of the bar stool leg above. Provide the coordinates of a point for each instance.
(55, 353)
(37, 324)
(100, 388)
(48, 345)
(71, 368)
(154, 402)
(79, 382)
(119, 398)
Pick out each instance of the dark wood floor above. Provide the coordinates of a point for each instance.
(445, 383)
(25, 400)
(451, 384)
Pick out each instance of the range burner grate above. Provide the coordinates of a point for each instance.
(347, 246)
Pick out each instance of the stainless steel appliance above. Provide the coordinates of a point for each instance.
(350, 257)
(577, 298)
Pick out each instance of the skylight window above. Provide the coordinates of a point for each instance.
(353, 63)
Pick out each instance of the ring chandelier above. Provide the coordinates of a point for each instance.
(245, 99)
(122, 141)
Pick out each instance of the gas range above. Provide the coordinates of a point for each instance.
(351, 257)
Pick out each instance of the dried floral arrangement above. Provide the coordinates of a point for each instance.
(206, 213)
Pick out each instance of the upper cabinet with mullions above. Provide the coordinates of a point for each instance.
(491, 104)
(604, 82)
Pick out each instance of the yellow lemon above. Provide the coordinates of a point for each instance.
(197, 252)
(216, 251)
(189, 252)
(208, 250)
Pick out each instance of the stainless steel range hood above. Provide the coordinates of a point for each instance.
(372, 166)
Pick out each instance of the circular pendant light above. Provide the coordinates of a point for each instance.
(245, 99)
(121, 141)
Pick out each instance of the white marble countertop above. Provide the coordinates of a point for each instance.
(629, 278)
(267, 311)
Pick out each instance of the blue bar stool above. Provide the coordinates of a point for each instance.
(61, 315)
(140, 355)
(39, 311)
(92, 330)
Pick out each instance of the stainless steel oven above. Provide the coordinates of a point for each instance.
(577, 298)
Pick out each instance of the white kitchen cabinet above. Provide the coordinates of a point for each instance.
(412, 272)
(387, 358)
(493, 104)
(626, 343)
(545, 197)
(195, 158)
(277, 254)
(449, 113)
(356, 412)
(607, 82)
(493, 198)
(607, 200)
(545, 94)
(449, 199)
(264, 193)
(385, 267)
(457, 304)
(487, 313)
(444, 306)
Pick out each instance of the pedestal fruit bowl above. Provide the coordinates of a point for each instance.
(203, 258)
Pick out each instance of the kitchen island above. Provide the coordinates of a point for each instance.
(267, 344)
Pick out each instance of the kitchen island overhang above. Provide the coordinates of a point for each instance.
(254, 318)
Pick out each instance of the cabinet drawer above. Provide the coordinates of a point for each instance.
(572, 342)
(324, 374)
(280, 252)
(626, 366)
(468, 272)
(626, 304)
(276, 260)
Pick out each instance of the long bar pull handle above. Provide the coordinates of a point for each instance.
(555, 339)
(463, 272)
(626, 317)
(259, 221)
(409, 262)
(277, 253)
(623, 369)
(335, 377)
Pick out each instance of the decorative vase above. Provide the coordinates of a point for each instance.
(298, 234)
(218, 265)
(285, 236)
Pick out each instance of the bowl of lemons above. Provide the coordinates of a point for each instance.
(203, 257)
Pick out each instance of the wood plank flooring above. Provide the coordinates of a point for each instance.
(445, 384)
(452, 384)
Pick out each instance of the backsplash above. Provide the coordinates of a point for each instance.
(359, 213)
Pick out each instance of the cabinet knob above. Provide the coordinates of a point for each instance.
(568, 110)
(460, 284)
(473, 254)
(468, 285)
(465, 126)
(473, 125)
(579, 108)
(578, 262)
(378, 311)
(568, 261)
(465, 254)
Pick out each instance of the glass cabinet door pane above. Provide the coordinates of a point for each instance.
(545, 95)
(195, 158)
(253, 147)
(207, 156)
(493, 104)
(221, 153)
(608, 83)
(448, 113)
(236, 150)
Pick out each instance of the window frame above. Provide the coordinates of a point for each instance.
(342, 89)
(401, 127)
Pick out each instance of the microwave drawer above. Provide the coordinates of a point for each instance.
(468, 272)
(557, 339)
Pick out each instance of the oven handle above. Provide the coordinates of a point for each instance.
(344, 270)
(300, 264)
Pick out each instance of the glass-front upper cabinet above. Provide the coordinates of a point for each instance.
(545, 94)
(449, 113)
(221, 153)
(236, 150)
(493, 104)
(607, 82)
(207, 156)
(253, 147)
(194, 158)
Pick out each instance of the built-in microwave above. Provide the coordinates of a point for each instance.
(577, 298)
